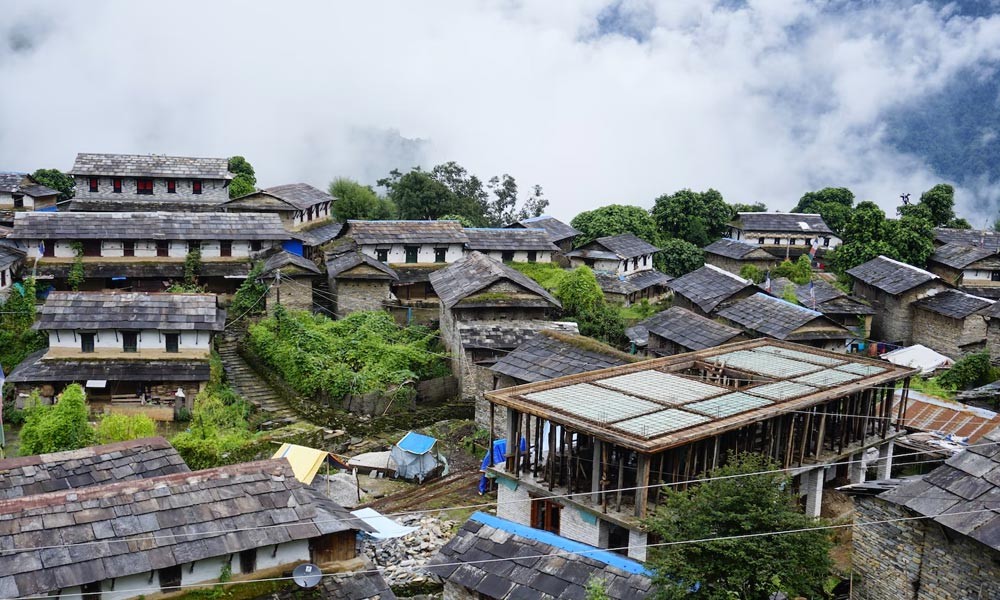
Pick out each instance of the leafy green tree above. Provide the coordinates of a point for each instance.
(696, 217)
(799, 272)
(972, 370)
(582, 298)
(244, 179)
(832, 204)
(76, 275)
(743, 498)
(419, 196)
(958, 223)
(865, 237)
(122, 428)
(615, 219)
(355, 201)
(465, 221)
(910, 239)
(678, 257)
(940, 202)
(62, 426)
(241, 186)
(742, 207)
(17, 340)
(192, 266)
(57, 180)
(248, 299)
(534, 206)
(752, 273)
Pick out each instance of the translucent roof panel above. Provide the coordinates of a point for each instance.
(593, 403)
(764, 363)
(730, 404)
(663, 387)
(827, 378)
(782, 390)
(860, 369)
(796, 355)
(659, 423)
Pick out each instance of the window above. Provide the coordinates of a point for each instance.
(3, 278)
(309, 214)
(777, 241)
(162, 248)
(116, 185)
(248, 561)
(170, 577)
(194, 246)
(91, 247)
(545, 515)
(92, 182)
(49, 249)
(994, 275)
(91, 591)
(130, 341)
(226, 248)
(171, 186)
(645, 260)
(411, 253)
(826, 242)
(173, 342)
(760, 241)
(128, 248)
(86, 342)
(18, 201)
(255, 245)
(635, 263)
(532, 255)
(625, 265)
(507, 256)
(196, 186)
(793, 242)
(382, 254)
(144, 186)
(439, 254)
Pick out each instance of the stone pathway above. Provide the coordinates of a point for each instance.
(254, 388)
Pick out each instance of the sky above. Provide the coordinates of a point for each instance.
(599, 102)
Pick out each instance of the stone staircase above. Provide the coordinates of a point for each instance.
(254, 388)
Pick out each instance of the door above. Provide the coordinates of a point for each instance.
(128, 248)
(163, 248)
(173, 342)
(130, 341)
(411, 253)
(226, 248)
(86, 342)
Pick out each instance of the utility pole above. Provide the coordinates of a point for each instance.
(277, 286)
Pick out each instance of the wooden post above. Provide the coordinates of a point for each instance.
(595, 473)
(551, 456)
(604, 477)
(621, 478)
(512, 417)
(806, 436)
(790, 443)
(492, 425)
(642, 485)
(538, 446)
(822, 430)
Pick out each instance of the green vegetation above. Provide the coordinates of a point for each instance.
(351, 200)
(583, 300)
(121, 428)
(615, 219)
(548, 275)
(364, 352)
(58, 427)
(930, 386)
(17, 340)
(747, 500)
(57, 180)
(832, 204)
(76, 276)
(678, 257)
(972, 370)
(696, 217)
(244, 179)
(752, 273)
(596, 589)
(249, 297)
(799, 272)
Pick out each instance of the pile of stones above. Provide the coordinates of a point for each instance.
(401, 559)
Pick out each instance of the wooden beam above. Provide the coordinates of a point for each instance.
(595, 473)
(642, 486)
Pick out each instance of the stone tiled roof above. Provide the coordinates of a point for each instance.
(339, 263)
(684, 328)
(968, 237)
(191, 516)
(95, 465)
(627, 245)
(485, 239)
(38, 190)
(130, 310)
(15, 182)
(773, 317)
(557, 230)
(628, 284)
(890, 276)
(763, 222)
(959, 256)
(507, 335)
(734, 249)
(150, 165)
(161, 225)
(553, 354)
(141, 205)
(476, 271)
(283, 259)
(500, 559)
(317, 236)
(829, 299)
(9, 256)
(366, 585)
(36, 369)
(708, 286)
(406, 232)
(953, 303)
(97, 269)
(299, 195)
(961, 494)
(10, 180)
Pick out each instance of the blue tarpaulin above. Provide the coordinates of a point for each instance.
(414, 457)
(292, 246)
(496, 457)
(416, 443)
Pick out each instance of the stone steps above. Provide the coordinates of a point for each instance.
(254, 388)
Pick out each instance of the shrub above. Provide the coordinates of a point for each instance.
(799, 271)
(121, 428)
(752, 273)
(62, 426)
(972, 370)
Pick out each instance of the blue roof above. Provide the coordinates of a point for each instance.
(605, 556)
(416, 443)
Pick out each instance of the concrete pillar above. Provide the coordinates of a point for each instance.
(857, 467)
(885, 460)
(812, 482)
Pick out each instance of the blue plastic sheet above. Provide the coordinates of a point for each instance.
(496, 457)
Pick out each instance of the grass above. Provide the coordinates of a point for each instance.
(931, 387)
(548, 275)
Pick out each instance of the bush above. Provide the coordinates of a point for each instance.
(62, 426)
(17, 340)
(752, 273)
(548, 275)
(972, 370)
(799, 271)
(248, 298)
(122, 428)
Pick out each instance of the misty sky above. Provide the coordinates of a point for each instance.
(599, 102)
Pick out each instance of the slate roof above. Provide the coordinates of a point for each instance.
(130, 310)
(829, 299)
(282, 259)
(500, 559)
(708, 286)
(890, 276)
(782, 223)
(364, 585)
(475, 271)
(557, 230)
(629, 284)
(150, 165)
(299, 195)
(684, 328)
(38, 190)
(775, 317)
(627, 245)
(94, 465)
(507, 335)
(9, 256)
(958, 256)
(11, 182)
(191, 516)
(405, 232)
(733, 249)
(319, 235)
(953, 303)
(174, 269)
(141, 205)
(968, 237)
(37, 369)
(339, 263)
(486, 239)
(553, 354)
(33, 225)
(965, 483)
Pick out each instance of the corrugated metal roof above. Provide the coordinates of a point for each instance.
(662, 387)
(728, 405)
(764, 363)
(661, 422)
(594, 403)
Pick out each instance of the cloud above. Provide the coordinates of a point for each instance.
(599, 102)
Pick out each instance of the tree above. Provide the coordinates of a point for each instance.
(62, 426)
(741, 207)
(940, 202)
(678, 257)
(122, 428)
(910, 238)
(248, 298)
(697, 217)
(832, 204)
(615, 219)
(351, 200)
(460, 218)
(865, 237)
(57, 180)
(745, 497)
(419, 196)
(534, 206)
(244, 179)
(17, 339)
(582, 298)
(799, 272)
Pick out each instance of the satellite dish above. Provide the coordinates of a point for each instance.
(307, 575)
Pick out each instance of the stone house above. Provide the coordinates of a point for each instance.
(703, 290)
(11, 261)
(677, 330)
(931, 537)
(974, 269)
(511, 245)
(298, 283)
(559, 233)
(891, 287)
(476, 564)
(20, 191)
(357, 281)
(133, 350)
(731, 255)
(601, 444)
(128, 181)
(763, 315)
(251, 521)
(298, 204)
(624, 268)
(784, 235)
(951, 322)
(822, 296)
(145, 251)
(967, 237)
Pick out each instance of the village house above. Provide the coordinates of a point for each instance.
(951, 322)
(145, 251)
(733, 256)
(242, 522)
(822, 296)
(891, 287)
(20, 191)
(703, 290)
(677, 330)
(763, 315)
(493, 559)
(623, 265)
(11, 261)
(511, 245)
(601, 445)
(559, 233)
(297, 283)
(135, 351)
(304, 211)
(981, 238)
(358, 282)
(130, 182)
(784, 235)
(931, 537)
(974, 269)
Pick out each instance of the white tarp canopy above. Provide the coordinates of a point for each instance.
(919, 357)
(385, 528)
(96, 383)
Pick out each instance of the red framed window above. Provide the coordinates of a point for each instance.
(144, 187)
(93, 181)
(116, 185)
(171, 186)
(196, 186)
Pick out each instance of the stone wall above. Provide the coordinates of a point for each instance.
(734, 265)
(947, 335)
(295, 295)
(212, 190)
(893, 321)
(354, 295)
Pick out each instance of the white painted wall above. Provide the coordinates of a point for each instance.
(147, 248)
(149, 339)
(425, 254)
(542, 256)
(803, 239)
(287, 553)
(129, 586)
